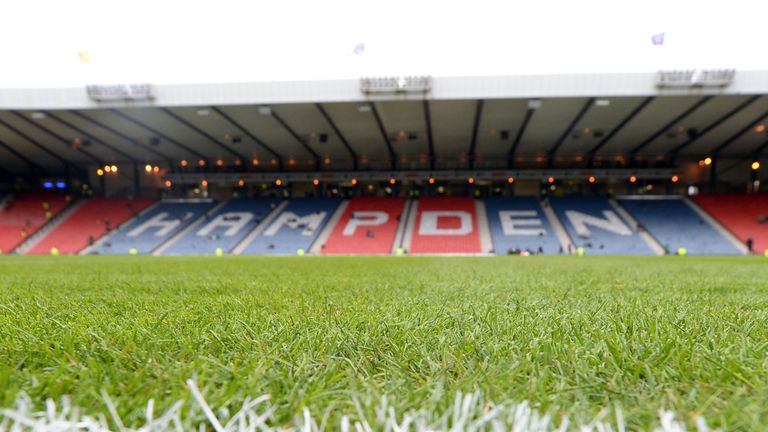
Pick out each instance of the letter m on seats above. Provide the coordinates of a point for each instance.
(309, 222)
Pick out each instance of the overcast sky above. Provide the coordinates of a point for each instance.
(164, 41)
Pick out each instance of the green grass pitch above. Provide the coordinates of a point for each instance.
(571, 335)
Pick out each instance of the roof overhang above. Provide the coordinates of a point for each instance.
(442, 88)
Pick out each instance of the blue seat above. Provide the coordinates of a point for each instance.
(148, 231)
(593, 224)
(224, 229)
(527, 227)
(296, 227)
(676, 225)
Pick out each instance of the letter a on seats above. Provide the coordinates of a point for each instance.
(430, 219)
(365, 218)
(233, 221)
(158, 221)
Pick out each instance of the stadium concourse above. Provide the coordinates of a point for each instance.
(630, 225)
(611, 164)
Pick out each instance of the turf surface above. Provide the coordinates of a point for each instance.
(571, 335)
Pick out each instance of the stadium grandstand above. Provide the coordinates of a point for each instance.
(404, 217)
(621, 164)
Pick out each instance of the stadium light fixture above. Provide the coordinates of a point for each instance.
(354, 181)
(184, 162)
(156, 169)
(431, 180)
(273, 161)
(255, 162)
(392, 181)
(592, 179)
(278, 182)
(241, 182)
(708, 161)
(602, 102)
(168, 183)
(755, 166)
(291, 162)
(471, 180)
(675, 179)
(201, 162)
(315, 182)
(551, 180)
(633, 179)
(219, 162)
(204, 183)
(510, 180)
(100, 172)
(107, 168)
(327, 161)
(148, 168)
(760, 128)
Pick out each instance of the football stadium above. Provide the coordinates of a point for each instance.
(533, 250)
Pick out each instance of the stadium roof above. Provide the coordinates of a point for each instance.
(479, 123)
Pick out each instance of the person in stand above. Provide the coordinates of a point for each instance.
(750, 245)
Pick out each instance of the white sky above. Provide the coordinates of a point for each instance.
(168, 41)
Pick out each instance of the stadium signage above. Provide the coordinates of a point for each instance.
(120, 92)
(406, 84)
(695, 78)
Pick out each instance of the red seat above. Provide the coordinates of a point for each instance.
(371, 231)
(745, 215)
(72, 235)
(24, 215)
(445, 225)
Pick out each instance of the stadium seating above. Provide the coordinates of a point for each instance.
(368, 226)
(744, 215)
(89, 222)
(295, 227)
(593, 224)
(445, 225)
(519, 224)
(223, 229)
(24, 215)
(151, 229)
(674, 224)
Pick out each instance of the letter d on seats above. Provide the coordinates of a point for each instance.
(430, 219)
